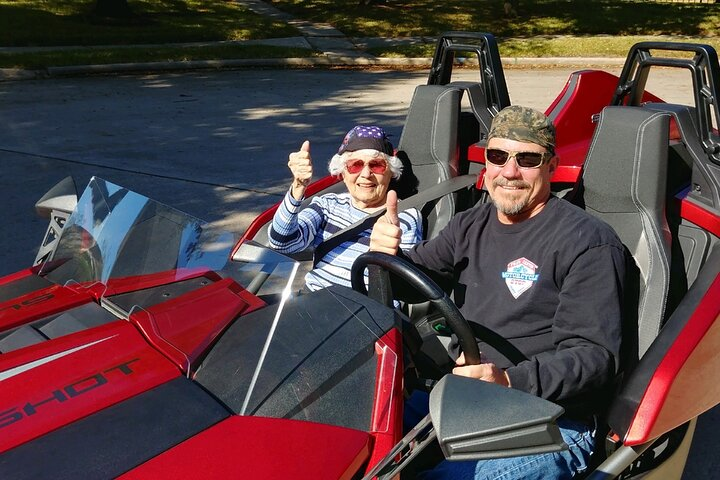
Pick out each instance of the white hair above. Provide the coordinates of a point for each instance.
(337, 163)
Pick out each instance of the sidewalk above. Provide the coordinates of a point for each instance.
(337, 50)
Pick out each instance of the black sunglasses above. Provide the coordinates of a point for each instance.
(500, 157)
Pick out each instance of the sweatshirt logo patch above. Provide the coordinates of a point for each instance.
(520, 276)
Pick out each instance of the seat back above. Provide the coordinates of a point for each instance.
(434, 142)
(677, 263)
(624, 184)
(429, 149)
(481, 109)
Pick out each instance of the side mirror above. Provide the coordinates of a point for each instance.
(60, 198)
(56, 205)
(477, 420)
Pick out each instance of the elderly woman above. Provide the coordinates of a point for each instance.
(366, 163)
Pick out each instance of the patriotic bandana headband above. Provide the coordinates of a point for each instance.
(366, 136)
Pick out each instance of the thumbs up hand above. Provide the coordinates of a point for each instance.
(391, 203)
(300, 164)
(386, 233)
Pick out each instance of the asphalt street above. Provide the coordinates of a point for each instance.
(215, 144)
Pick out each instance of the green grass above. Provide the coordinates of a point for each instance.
(71, 22)
(541, 28)
(606, 46)
(393, 18)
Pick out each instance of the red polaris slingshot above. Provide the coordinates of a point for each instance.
(145, 344)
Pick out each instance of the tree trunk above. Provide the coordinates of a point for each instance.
(113, 8)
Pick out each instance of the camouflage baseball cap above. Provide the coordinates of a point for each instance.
(524, 125)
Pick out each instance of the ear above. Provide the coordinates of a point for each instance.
(552, 164)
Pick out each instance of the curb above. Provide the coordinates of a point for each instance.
(350, 61)
(11, 74)
(563, 61)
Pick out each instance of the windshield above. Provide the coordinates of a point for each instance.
(231, 317)
(121, 240)
(115, 233)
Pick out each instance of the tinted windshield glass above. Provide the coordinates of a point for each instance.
(116, 233)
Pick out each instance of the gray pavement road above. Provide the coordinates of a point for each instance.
(215, 144)
(212, 143)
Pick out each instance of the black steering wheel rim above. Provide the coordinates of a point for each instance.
(426, 287)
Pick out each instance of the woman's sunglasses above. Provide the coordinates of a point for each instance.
(356, 166)
(500, 157)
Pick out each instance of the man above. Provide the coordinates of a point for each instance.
(366, 163)
(540, 272)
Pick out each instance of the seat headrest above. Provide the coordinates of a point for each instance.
(627, 164)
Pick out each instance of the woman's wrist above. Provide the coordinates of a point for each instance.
(297, 190)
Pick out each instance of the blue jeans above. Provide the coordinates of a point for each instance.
(559, 465)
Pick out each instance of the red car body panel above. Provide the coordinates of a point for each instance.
(18, 275)
(573, 112)
(673, 396)
(248, 447)
(60, 381)
(267, 215)
(182, 328)
(386, 426)
(39, 303)
(117, 286)
(699, 216)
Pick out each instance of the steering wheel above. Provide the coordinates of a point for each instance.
(426, 287)
(465, 331)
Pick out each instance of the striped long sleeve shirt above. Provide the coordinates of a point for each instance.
(294, 229)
